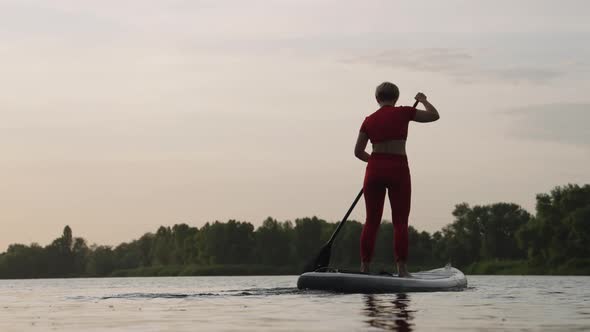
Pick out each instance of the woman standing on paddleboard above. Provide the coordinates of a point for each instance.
(387, 168)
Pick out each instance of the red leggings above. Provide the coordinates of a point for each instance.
(391, 172)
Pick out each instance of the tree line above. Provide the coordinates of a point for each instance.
(494, 238)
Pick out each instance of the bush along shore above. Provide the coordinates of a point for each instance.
(500, 238)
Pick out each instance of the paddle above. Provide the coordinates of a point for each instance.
(323, 257)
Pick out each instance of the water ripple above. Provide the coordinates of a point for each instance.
(243, 292)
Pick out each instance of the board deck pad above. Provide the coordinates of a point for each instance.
(443, 279)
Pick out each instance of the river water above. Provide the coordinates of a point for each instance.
(272, 303)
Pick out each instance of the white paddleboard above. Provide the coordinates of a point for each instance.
(443, 279)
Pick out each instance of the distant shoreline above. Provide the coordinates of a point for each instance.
(483, 268)
(493, 239)
(511, 268)
(494, 267)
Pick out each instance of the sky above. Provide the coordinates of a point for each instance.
(121, 116)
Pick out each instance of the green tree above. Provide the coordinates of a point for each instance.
(345, 251)
(499, 224)
(421, 248)
(226, 243)
(484, 232)
(161, 248)
(560, 227)
(102, 261)
(273, 243)
(462, 239)
(310, 235)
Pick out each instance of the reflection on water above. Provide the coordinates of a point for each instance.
(389, 314)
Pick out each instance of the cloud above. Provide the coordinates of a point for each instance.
(468, 66)
(559, 123)
(433, 59)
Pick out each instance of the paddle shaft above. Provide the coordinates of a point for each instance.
(358, 197)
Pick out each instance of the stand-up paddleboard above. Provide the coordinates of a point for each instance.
(444, 279)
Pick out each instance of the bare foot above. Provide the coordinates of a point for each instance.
(364, 267)
(402, 270)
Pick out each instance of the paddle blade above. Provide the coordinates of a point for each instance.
(321, 260)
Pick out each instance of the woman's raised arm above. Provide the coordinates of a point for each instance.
(430, 114)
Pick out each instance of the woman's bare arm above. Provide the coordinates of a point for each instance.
(430, 114)
(361, 145)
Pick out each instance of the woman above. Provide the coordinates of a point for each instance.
(387, 168)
